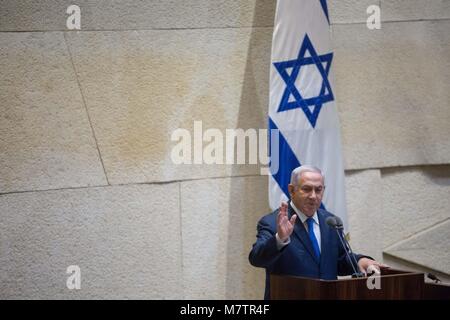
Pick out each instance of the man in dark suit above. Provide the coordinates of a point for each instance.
(296, 240)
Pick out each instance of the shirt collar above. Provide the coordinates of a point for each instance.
(302, 216)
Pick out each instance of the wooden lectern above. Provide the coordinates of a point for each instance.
(395, 284)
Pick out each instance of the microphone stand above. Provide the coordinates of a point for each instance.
(348, 250)
(336, 224)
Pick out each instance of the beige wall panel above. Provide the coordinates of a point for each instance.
(349, 11)
(398, 10)
(414, 200)
(126, 241)
(392, 89)
(365, 212)
(44, 15)
(46, 139)
(355, 11)
(219, 218)
(140, 86)
(429, 248)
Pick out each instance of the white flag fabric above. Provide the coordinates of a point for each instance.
(302, 103)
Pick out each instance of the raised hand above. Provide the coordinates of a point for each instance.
(285, 226)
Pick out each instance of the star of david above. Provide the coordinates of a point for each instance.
(310, 106)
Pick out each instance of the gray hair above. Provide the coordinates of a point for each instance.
(297, 173)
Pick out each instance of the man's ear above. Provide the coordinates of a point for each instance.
(291, 188)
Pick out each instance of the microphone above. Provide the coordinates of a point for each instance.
(336, 223)
(433, 277)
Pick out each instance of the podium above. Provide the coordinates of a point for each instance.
(394, 285)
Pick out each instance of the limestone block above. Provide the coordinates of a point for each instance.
(365, 212)
(398, 10)
(140, 86)
(349, 11)
(219, 218)
(414, 200)
(392, 93)
(354, 11)
(125, 239)
(429, 248)
(42, 15)
(46, 140)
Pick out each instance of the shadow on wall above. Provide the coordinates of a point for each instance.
(397, 263)
(436, 174)
(439, 175)
(248, 197)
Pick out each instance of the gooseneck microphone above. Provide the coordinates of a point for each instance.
(433, 277)
(336, 223)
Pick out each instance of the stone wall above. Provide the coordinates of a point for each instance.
(86, 119)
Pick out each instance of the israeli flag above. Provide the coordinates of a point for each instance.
(302, 102)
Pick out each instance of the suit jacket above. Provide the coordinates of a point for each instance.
(297, 258)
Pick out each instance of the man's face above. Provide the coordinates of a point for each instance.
(307, 196)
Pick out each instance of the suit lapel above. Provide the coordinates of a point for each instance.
(301, 233)
(324, 235)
